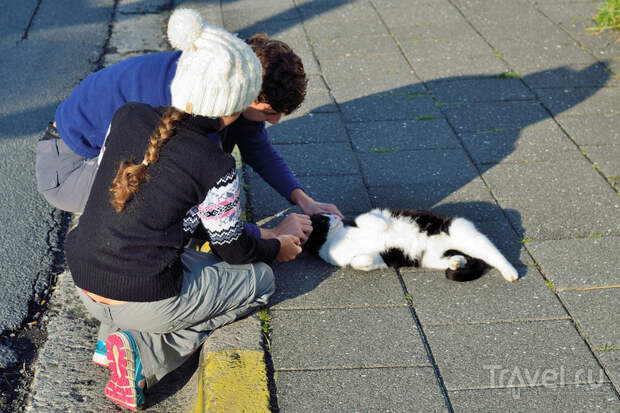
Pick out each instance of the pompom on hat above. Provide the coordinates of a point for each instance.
(217, 74)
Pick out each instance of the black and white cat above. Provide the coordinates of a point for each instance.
(384, 238)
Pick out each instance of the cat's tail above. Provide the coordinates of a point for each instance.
(466, 238)
(472, 270)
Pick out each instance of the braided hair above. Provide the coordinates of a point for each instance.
(130, 174)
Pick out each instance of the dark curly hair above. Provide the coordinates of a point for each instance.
(284, 79)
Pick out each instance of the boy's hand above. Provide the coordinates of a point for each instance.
(310, 206)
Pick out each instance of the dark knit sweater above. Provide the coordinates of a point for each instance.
(134, 255)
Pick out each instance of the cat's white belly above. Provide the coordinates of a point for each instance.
(341, 248)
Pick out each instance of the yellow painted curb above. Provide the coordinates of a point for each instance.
(232, 381)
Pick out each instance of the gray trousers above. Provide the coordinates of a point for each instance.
(169, 331)
(64, 178)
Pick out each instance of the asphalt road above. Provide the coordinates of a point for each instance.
(48, 47)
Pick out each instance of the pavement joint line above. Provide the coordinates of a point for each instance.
(502, 321)
(426, 344)
(529, 386)
(345, 368)
(605, 287)
(27, 29)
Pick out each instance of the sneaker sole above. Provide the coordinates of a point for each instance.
(121, 388)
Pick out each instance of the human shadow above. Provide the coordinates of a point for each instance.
(421, 146)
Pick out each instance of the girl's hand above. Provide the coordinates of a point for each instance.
(289, 248)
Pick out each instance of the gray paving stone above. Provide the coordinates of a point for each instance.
(415, 166)
(438, 11)
(558, 217)
(596, 312)
(139, 32)
(512, 22)
(317, 103)
(546, 36)
(459, 29)
(311, 283)
(606, 158)
(582, 398)
(524, 56)
(480, 90)
(392, 105)
(377, 390)
(324, 29)
(592, 130)
(428, 194)
(542, 141)
(316, 84)
(283, 30)
(337, 11)
(554, 178)
(354, 46)
(458, 68)
(346, 191)
(476, 117)
(438, 300)
(478, 211)
(611, 362)
(498, 354)
(399, 135)
(472, 49)
(356, 77)
(251, 4)
(14, 21)
(309, 128)
(574, 75)
(319, 159)
(243, 19)
(579, 263)
(140, 6)
(581, 101)
(351, 338)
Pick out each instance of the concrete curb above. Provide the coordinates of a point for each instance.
(232, 374)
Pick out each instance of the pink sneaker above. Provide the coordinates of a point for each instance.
(126, 373)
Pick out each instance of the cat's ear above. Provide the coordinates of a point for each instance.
(372, 221)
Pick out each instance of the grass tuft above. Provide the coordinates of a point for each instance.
(265, 321)
(608, 16)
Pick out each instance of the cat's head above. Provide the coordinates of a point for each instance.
(323, 225)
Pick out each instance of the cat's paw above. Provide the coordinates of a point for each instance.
(456, 262)
(510, 274)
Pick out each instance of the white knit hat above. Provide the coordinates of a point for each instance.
(217, 74)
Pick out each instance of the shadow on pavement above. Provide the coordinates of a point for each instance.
(414, 147)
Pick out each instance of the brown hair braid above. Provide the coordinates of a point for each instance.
(130, 175)
(284, 79)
